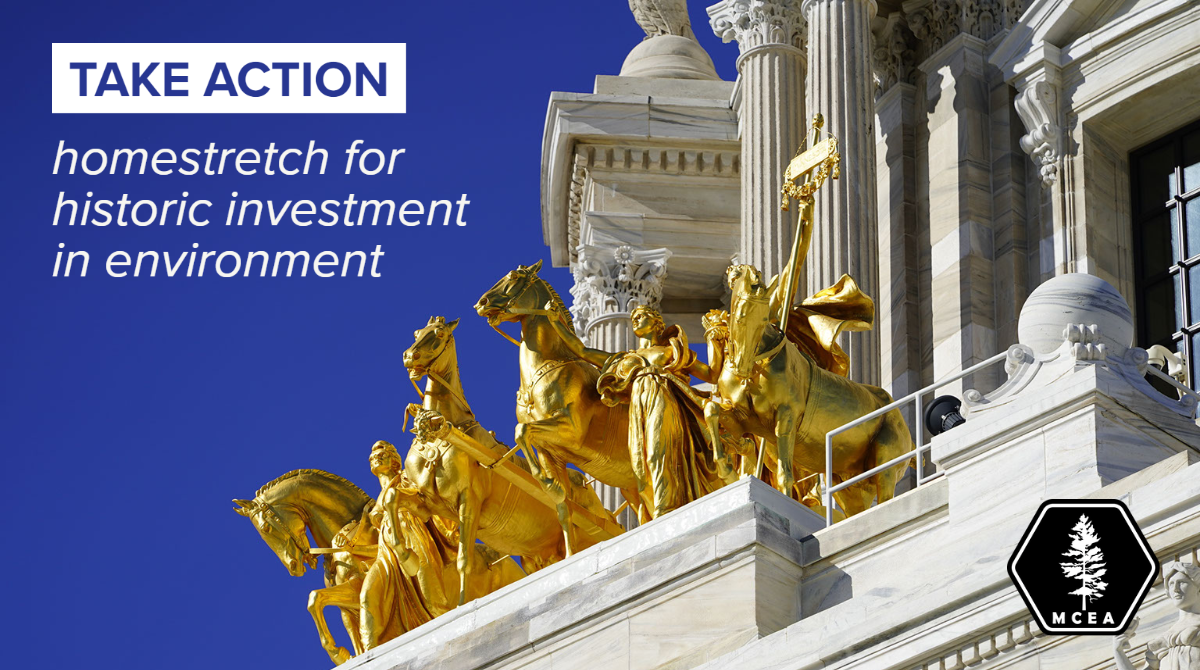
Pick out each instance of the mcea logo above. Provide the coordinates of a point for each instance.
(1083, 567)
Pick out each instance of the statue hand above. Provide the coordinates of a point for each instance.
(1121, 642)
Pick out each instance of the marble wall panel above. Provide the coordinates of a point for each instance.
(899, 320)
(960, 209)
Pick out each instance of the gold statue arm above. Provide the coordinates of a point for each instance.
(716, 335)
(575, 345)
(703, 371)
(716, 360)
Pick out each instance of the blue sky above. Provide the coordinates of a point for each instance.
(133, 410)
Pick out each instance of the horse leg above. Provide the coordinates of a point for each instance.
(890, 441)
(712, 419)
(550, 472)
(468, 526)
(785, 442)
(344, 595)
(558, 474)
(350, 621)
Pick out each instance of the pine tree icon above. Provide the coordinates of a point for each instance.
(1088, 566)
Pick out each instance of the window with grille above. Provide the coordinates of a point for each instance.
(1166, 225)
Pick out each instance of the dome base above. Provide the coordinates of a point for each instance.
(669, 57)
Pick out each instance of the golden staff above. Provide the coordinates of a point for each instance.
(819, 162)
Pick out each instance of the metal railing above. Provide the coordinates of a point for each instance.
(915, 397)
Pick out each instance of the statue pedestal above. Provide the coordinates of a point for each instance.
(695, 584)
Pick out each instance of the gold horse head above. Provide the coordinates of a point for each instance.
(283, 531)
(429, 344)
(510, 298)
(749, 314)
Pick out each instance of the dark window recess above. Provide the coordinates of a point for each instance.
(1166, 233)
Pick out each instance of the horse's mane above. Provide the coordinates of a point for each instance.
(308, 471)
(556, 300)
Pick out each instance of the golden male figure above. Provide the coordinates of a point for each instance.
(667, 442)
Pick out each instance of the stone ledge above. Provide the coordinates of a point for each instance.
(720, 570)
(664, 88)
(878, 523)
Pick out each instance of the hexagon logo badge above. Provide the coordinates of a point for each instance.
(1083, 567)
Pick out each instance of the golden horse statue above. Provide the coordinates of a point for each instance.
(335, 512)
(302, 502)
(771, 387)
(451, 484)
(424, 547)
(559, 410)
(782, 372)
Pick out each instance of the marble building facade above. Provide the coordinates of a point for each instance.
(986, 149)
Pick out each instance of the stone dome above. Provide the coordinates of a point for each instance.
(669, 57)
(1075, 298)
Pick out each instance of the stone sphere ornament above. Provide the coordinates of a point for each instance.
(669, 57)
(1075, 298)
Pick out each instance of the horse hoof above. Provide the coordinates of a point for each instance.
(341, 656)
(786, 486)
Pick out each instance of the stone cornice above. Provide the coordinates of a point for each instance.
(936, 22)
(642, 159)
(699, 124)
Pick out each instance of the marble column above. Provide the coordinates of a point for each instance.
(840, 86)
(609, 283)
(770, 35)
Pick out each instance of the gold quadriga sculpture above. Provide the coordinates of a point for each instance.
(454, 516)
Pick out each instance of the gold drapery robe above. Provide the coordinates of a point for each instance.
(392, 600)
(667, 441)
(816, 322)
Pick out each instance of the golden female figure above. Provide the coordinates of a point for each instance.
(667, 441)
(390, 601)
(1179, 649)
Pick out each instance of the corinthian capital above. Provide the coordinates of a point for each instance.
(756, 23)
(893, 54)
(612, 281)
